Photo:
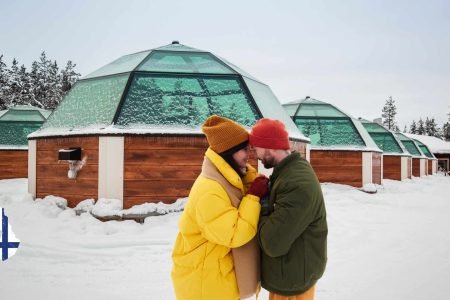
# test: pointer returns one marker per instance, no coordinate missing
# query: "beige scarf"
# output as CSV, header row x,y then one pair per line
x,y
247,257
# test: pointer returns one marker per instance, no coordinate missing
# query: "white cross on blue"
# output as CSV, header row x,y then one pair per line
x,y
4,243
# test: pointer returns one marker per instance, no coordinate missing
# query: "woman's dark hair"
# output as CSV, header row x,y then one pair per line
x,y
228,157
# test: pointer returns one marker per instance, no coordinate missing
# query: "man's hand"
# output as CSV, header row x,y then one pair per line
x,y
259,187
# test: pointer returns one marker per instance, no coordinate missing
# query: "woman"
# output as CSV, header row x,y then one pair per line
x,y
220,215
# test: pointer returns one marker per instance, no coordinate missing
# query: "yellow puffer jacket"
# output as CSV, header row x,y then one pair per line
x,y
209,227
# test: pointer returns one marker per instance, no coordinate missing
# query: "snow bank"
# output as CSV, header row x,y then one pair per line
x,y
390,245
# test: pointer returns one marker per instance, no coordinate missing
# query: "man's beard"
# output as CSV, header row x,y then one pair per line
x,y
268,162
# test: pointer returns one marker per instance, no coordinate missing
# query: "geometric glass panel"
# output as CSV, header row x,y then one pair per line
x,y
329,131
178,62
386,142
89,102
184,100
15,133
318,110
126,63
412,149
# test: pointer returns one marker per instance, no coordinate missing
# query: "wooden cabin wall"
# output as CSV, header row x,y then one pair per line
x,y
160,168
343,167
416,167
430,167
377,159
392,167
51,174
13,164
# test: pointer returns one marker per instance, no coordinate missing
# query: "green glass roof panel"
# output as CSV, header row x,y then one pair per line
x,y
178,47
15,133
386,142
318,110
184,62
180,101
90,103
375,128
23,116
411,148
330,132
424,149
126,63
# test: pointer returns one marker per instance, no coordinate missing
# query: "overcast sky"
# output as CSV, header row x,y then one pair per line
x,y
353,54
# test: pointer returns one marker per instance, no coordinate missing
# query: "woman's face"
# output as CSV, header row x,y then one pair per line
x,y
241,157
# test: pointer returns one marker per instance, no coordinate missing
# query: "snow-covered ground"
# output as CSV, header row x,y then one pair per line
x,y
391,245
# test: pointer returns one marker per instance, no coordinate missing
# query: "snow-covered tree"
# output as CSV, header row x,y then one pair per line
x,y
413,127
431,127
420,127
405,130
68,76
3,83
446,131
389,112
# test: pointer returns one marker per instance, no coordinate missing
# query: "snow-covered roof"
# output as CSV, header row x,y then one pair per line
x,y
328,127
435,144
170,88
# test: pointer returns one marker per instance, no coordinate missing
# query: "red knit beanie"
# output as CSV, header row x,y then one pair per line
x,y
269,134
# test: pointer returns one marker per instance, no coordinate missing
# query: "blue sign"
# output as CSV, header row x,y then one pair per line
x,y
5,244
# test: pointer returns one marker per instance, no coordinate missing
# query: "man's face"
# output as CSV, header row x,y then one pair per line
x,y
241,157
265,156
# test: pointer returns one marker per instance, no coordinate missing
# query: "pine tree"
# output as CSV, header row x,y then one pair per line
x,y
389,112
3,83
68,76
420,127
405,130
427,126
413,128
432,127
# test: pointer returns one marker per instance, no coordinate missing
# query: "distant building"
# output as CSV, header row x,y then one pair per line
x,y
341,149
15,124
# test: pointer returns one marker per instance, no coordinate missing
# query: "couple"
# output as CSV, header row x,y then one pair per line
x,y
234,232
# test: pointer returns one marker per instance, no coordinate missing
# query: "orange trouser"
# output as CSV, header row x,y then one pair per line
x,y
308,295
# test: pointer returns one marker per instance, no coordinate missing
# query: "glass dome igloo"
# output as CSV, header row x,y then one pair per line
x,y
385,139
19,121
328,126
167,89
410,145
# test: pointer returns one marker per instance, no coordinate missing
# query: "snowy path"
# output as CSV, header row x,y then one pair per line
x,y
392,245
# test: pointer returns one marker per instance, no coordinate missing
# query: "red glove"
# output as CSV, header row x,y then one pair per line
x,y
259,187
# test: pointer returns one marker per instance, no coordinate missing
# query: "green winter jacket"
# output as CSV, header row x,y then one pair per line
x,y
293,237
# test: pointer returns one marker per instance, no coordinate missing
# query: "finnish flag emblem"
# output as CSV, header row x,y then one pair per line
x,y
8,241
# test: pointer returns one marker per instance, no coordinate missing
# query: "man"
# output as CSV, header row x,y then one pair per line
x,y
215,255
292,230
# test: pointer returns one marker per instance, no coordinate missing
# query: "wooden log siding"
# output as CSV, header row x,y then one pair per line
x,y
13,164
164,168
392,167
51,174
343,167
416,167
377,159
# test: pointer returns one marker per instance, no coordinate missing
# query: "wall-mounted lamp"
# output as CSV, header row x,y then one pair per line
x,y
73,156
